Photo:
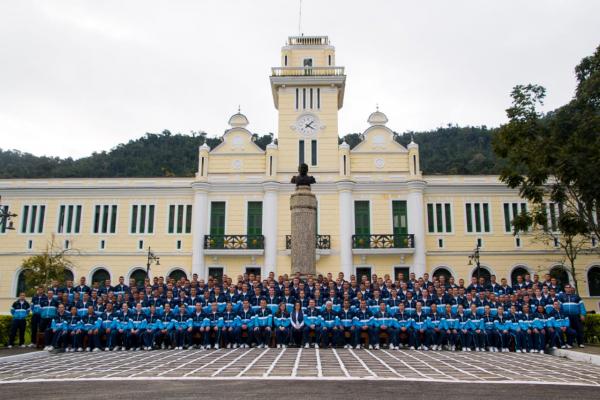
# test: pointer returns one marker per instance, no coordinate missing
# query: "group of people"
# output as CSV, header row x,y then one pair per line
x,y
438,314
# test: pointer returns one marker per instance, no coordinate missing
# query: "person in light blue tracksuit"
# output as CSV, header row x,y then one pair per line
x,y
138,322
462,323
541,323
312,324
329,326
91,326
492,339
123,326
526,324
404,334
477,329
57,332
197,327
346,316
245,325
74,328
419,324
181,322
282,326
436,329
108,327
362,323
153,328
19,311
213,326
36,317
503,327
572,305
562,334
229,322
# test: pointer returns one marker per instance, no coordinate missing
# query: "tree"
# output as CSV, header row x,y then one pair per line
x,y
555,157
51,264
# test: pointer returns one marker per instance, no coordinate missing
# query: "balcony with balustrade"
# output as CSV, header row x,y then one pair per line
x,y
383,243
234,245
322,244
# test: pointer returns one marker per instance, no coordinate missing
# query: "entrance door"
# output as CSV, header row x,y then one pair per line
x,y
402,272
399,223
253,270
216,273
363,271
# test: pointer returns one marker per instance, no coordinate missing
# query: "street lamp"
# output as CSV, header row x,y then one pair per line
x,y
152,259
475,257
5,217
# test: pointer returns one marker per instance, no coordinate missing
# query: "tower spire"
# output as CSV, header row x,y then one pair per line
x,y
300,20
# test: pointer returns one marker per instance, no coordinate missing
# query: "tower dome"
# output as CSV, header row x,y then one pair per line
x,y
377,118
238,120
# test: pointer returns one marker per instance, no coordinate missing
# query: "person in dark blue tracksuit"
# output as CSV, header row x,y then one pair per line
x,y
419,327
213,329
229,321
282,322
404,334
560,329
312,325
153,329
36,317
19,311
108,328
139,321
57,331
329,326
436,334
91,329
362,321
346,317
245,325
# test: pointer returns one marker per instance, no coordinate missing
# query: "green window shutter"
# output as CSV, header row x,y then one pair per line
x,y
486,217
399,218
97,219
24,219
142,219
171,219
78,219
180,218
150,219
448,217
469,216
362,222
439,220
61,219
134,213
430,227
217,218
506,217
113,219
69,219
254,220
188,218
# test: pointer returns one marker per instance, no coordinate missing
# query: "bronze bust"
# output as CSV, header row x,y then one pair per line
x,y
303,179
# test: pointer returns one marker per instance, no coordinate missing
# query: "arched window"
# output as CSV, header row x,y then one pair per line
x,y
68,275
99,276
177,274
483,273
560,273
593,277
518,271
22,285
139,275
442,272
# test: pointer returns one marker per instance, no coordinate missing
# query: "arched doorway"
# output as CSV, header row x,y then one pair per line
x,y
442,272
518,271
560,273
593,278
483,273
68,275
100,276
139,275
22,285
177,274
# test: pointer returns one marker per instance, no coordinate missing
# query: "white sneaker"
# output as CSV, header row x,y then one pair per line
x,y
316,346
392,347
50,348
517,351
31,344
370,347
306,346
569,346
376,347
217,347
425,348
412,347
580,346
357,347
96,349
9,346
284,346
23,346
81,349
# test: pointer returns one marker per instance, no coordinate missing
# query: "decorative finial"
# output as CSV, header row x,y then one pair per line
x,y
239,109
377,106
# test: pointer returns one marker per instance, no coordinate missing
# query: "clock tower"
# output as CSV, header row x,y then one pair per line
x,y
308,91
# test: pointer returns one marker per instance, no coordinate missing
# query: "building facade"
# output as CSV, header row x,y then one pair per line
x,y
377,213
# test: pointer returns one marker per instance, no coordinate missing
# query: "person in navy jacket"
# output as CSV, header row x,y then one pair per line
x,y
329,331
314,328
245,327
575,310
19,310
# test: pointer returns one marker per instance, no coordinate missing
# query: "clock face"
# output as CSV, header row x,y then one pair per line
x,y
307,125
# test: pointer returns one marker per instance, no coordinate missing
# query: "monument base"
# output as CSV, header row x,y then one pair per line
x,y
303,206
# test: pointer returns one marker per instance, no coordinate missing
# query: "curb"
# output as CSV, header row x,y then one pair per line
x,y
24,356
577,356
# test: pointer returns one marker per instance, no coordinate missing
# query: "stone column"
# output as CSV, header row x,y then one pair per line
x,y
345,226
303,206
199,225
269,225
416,225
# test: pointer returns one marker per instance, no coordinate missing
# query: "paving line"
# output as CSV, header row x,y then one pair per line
x,y
193,359
274,363
432,367
457,368
385,364
296,363
342,366
207,364
158,353
319,369
253,362
407,365
373,374
229,364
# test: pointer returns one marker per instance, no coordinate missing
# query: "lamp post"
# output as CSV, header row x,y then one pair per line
x,y
475,257
5,217
152,259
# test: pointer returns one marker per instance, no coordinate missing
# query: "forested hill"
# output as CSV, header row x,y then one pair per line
x,y
448,150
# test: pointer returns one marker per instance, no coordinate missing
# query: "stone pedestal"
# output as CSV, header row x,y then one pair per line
x,y
303,206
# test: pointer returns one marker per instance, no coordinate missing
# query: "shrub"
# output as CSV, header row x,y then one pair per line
x,y
5,321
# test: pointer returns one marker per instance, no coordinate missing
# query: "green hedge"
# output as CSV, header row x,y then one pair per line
x,y
592,328
5,321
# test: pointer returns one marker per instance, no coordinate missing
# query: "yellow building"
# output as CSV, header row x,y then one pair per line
x,y
377,212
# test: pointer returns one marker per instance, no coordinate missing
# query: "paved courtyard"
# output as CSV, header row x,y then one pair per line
x,y
299,364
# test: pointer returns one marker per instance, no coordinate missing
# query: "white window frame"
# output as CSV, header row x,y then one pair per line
x,y
139,211
67,205
27,223
482,221
175,215
453,221
109,219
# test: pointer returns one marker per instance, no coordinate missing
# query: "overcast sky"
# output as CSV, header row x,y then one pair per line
x,y
83,76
